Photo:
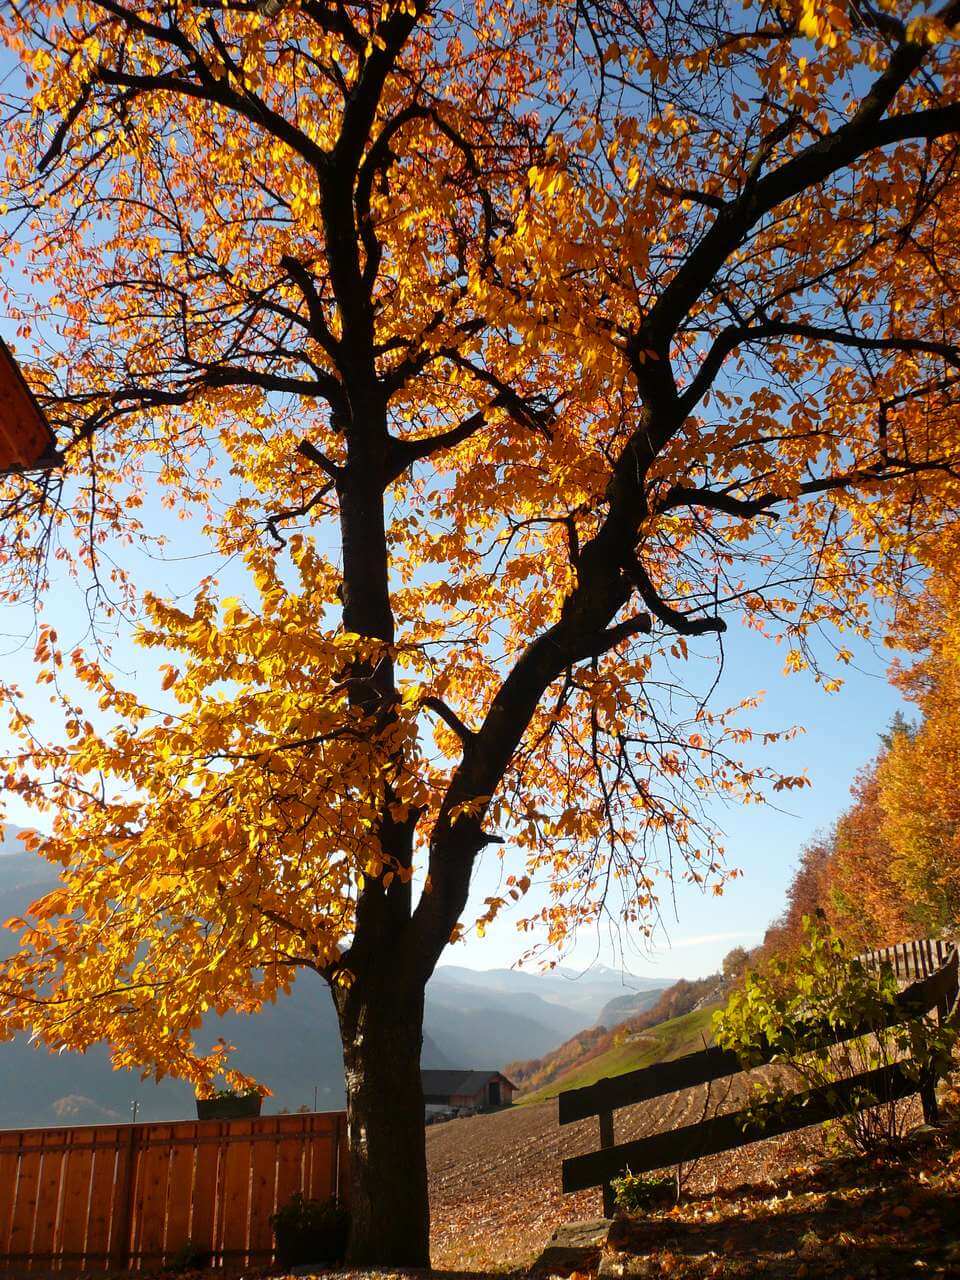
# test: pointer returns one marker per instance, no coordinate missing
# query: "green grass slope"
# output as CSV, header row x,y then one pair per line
x,y
666,1040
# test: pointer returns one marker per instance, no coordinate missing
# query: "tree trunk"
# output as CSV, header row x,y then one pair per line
x,y
382,1032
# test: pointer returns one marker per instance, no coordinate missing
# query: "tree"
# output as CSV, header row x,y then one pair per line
x,y
889,870
918,777
734,963
515,349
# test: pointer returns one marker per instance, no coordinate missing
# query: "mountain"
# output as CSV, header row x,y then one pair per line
x,y
455,1011
587,993
472,1019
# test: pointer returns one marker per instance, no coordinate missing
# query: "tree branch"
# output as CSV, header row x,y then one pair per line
x,y
450,718
684,623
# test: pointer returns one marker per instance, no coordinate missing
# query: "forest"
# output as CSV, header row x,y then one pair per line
x,y
889,869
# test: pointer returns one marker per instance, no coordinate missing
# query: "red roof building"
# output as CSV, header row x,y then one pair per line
x,y
26,440
467,1090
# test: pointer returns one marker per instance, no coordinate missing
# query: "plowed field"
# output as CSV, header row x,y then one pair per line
x,y
495,1179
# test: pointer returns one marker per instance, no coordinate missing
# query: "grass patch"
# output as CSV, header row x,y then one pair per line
x,y
666,1040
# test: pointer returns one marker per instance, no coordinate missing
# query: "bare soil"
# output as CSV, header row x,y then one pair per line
x,y
495,1179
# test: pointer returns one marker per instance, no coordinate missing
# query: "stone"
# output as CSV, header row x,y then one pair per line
x,y
626,1266
574,1246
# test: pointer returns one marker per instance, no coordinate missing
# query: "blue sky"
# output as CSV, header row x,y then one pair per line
x,y
764,842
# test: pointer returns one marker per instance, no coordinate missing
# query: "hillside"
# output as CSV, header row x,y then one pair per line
x,y
627,1006
670,1039
473,1019
576,1054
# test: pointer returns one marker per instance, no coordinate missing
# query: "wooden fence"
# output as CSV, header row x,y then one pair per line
x,y
916,959
721,1133
111,1197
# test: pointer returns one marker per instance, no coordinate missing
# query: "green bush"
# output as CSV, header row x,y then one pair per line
x,y
308,1231
793,1003
639,1192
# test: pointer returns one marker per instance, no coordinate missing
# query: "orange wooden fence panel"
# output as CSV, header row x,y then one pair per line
x,y
105,1197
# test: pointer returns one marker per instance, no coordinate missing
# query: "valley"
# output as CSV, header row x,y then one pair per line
x,y
474,1019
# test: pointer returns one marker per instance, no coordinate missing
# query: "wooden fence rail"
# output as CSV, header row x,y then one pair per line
x,y
939,990
916,959
111,1197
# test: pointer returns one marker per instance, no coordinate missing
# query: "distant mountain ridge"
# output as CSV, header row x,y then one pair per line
x,y
473,1019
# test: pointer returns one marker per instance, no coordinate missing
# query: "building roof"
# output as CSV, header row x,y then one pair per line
x,y
440,1085
26,441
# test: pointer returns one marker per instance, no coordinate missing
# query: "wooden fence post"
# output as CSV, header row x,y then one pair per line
x,y
928,1094
937,990
607,1140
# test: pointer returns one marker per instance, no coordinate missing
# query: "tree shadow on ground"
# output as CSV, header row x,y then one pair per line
x,y
848,1217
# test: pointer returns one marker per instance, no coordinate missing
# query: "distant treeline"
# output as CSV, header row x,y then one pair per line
x,y
889,869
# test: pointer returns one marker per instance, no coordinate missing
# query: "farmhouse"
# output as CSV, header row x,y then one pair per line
x,y
466,1090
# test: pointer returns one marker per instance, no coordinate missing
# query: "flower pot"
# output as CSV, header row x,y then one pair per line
x,y
240,1107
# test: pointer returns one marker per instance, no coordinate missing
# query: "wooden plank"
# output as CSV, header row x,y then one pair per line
x,y
203,1218
9,1166
103,1197
321,1157
649,1082
75,1210
236,1191
123,1217
714,1063
607,1141
262,1193
722,1133
343,1161
335,1160
183,1157
150,1213
290,1163
21,1230
43,1246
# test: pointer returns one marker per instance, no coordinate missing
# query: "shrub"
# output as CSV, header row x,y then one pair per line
x,y
638,1192
793,1001
310,1231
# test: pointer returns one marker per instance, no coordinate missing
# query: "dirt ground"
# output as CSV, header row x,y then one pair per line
x,y
884,1218
495,1179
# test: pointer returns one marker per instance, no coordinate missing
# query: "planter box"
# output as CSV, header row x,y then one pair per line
x,y
244,1108
317,1238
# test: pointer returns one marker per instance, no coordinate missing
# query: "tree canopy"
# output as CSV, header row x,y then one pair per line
x,y
518,349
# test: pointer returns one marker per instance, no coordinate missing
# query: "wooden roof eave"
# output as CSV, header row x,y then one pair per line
x,y
27,442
